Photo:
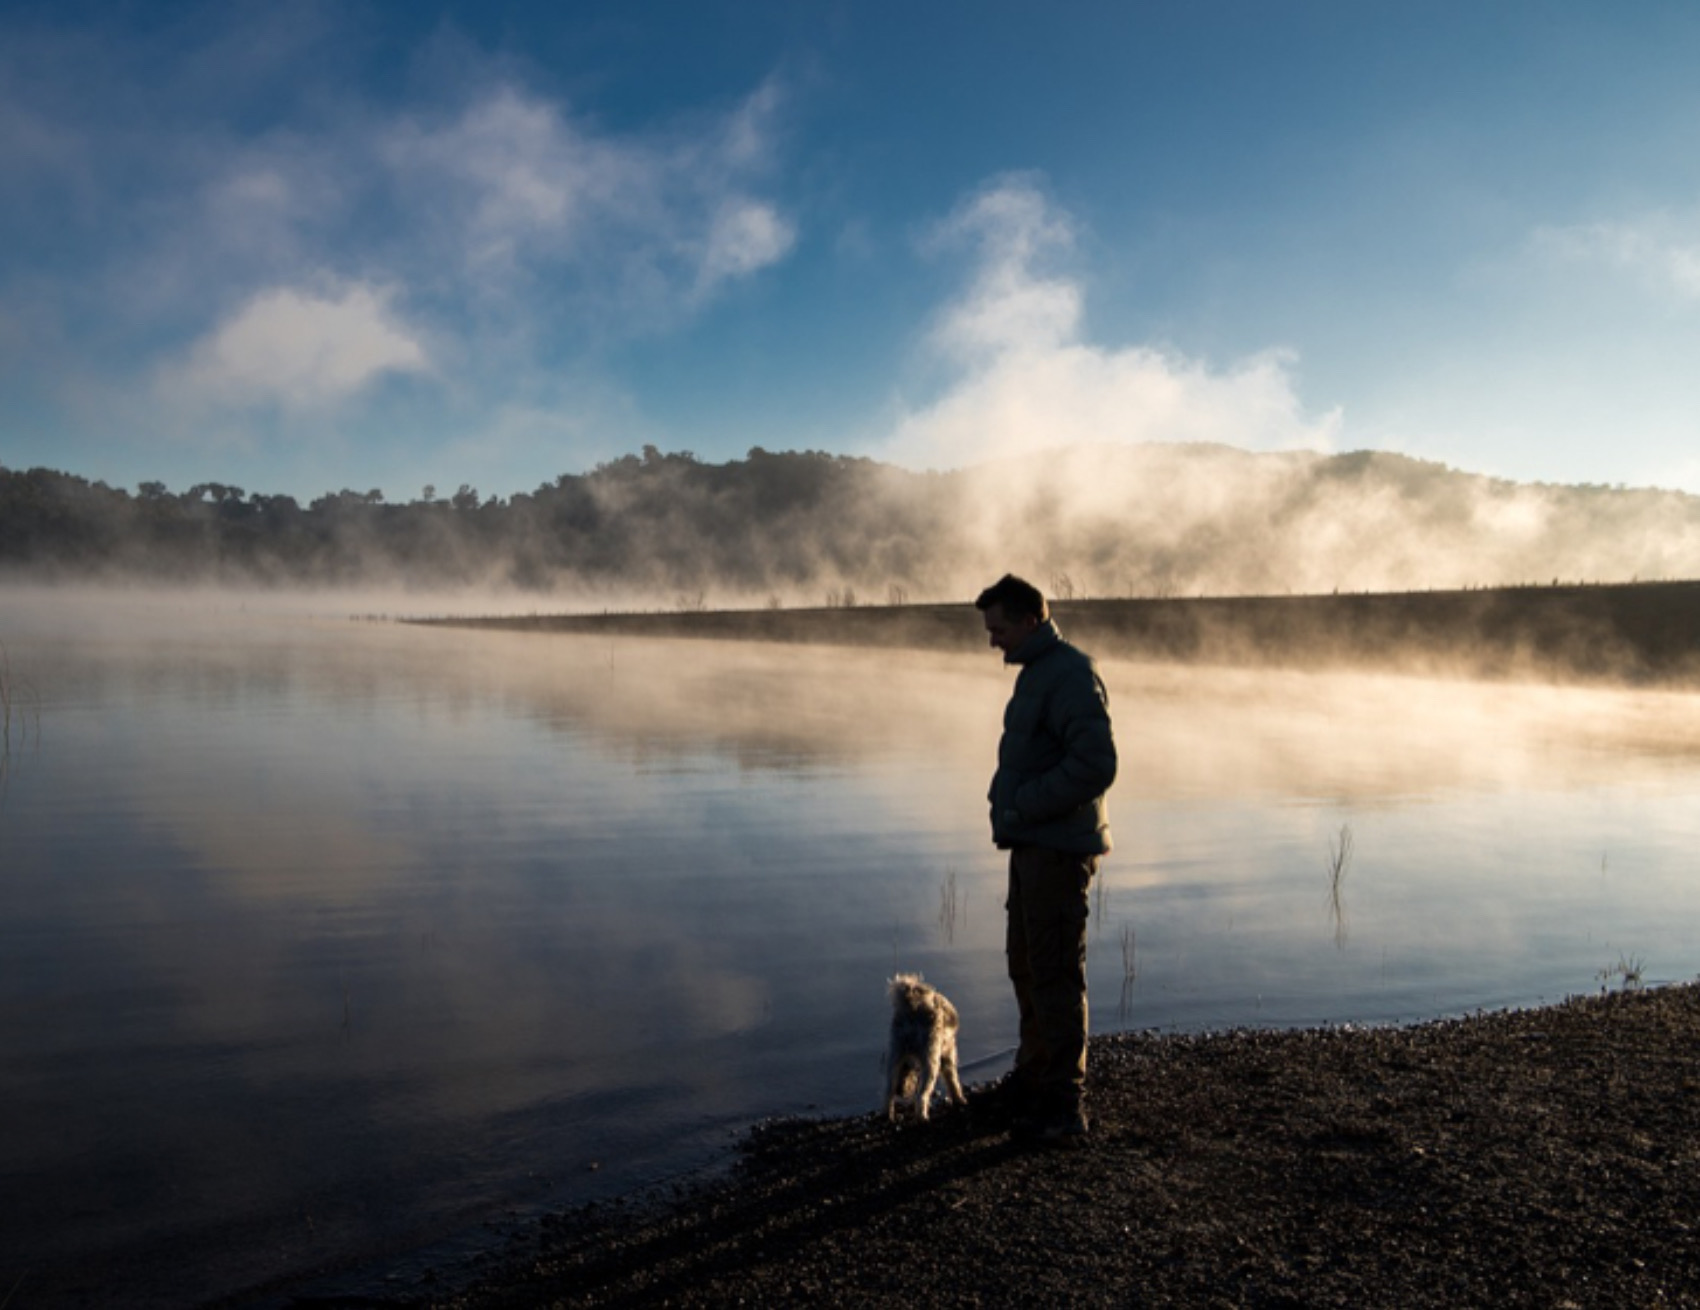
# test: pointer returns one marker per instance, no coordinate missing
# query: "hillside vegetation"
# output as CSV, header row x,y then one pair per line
x,y
812,528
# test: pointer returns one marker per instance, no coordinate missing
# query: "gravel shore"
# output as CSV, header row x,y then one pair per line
x,y
1545,1157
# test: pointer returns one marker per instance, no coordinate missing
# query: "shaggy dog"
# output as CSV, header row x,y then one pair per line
x,y
923,1046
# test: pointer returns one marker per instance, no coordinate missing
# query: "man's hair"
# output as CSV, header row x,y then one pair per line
x,y
1018,597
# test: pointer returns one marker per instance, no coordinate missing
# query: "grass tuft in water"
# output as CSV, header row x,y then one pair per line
x,y
1339,861
1630,968
20,713
953,906
1130,969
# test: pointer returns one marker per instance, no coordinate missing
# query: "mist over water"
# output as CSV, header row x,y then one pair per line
x,y
1171,519
321,938
1148,519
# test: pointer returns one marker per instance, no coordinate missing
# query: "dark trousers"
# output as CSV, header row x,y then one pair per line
x,y
1047,964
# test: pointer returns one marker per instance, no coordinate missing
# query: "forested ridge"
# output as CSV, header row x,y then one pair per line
x,y
1146,520
658,520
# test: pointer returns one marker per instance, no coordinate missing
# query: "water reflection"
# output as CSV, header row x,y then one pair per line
x,y
317,936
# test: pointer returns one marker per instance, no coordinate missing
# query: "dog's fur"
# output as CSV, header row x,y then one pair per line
x,y
923,1047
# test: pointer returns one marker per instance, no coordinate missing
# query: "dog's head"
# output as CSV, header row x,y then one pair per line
x,y
911,996
908,991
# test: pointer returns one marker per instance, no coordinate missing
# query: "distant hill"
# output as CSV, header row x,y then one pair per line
x,y
811,528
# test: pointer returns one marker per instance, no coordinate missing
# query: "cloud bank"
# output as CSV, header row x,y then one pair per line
x,y
1658,251
516,188
295,348
225,232
1024,378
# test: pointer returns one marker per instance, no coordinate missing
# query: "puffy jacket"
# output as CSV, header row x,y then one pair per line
x,y
1057,757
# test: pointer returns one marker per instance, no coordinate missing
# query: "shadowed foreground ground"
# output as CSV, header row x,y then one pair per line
x,y
1543,1157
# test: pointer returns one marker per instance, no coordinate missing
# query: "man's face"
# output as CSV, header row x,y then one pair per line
x,y
1007,633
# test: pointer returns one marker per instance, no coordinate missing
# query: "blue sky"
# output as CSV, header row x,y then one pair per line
x,y
304,247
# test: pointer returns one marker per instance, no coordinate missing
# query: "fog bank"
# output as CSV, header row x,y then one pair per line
x,y
785,529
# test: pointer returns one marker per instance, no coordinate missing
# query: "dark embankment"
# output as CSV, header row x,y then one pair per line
x,y
1640,632
1529,1158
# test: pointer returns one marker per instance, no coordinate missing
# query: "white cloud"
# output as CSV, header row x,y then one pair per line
x,y
519,178
747,140
1026,380
262,212
744,237
1660,250
296,349
518,187
1010,306
461,223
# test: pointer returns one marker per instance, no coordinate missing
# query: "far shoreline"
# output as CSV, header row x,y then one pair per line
x,y
1640,633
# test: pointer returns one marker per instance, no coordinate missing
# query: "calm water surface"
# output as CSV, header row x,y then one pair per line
x,y
322,939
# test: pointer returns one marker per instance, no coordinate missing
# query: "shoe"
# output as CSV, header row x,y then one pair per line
x,y
1057,1128
1005,1101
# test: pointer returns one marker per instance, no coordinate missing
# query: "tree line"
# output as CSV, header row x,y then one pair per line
x,y
1151,520
656,520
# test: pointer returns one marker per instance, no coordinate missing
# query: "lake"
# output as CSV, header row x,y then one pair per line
x,y
324,939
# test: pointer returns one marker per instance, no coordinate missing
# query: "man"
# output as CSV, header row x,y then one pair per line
x,y
1056,760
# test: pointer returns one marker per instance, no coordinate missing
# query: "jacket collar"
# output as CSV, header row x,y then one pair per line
x,y
1044,639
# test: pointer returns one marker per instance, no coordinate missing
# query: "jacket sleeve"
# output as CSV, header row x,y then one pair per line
x,y
1079,716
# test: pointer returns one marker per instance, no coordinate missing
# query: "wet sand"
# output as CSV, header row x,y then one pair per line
x,y
1546,1157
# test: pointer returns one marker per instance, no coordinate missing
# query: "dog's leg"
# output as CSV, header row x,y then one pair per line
x,y
924,1097
903,1068
952,1081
